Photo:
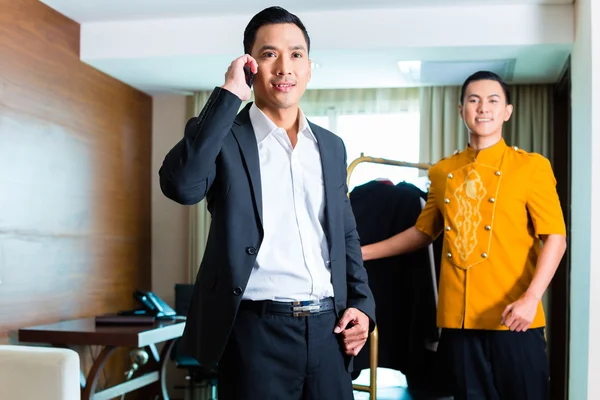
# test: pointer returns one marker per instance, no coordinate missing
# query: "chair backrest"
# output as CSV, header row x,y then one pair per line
x,y
183,297
28,372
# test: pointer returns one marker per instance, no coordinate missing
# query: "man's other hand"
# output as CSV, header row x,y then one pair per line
x,y
519,315
353,328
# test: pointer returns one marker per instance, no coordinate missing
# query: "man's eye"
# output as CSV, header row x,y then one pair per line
x,y
297,55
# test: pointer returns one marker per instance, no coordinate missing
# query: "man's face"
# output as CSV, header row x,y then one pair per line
x,y
284,68
484,108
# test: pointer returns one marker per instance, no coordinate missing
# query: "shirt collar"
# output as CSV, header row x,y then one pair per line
x,y
489,156
263,126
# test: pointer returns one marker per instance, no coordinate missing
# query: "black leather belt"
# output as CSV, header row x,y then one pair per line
x,y
293,309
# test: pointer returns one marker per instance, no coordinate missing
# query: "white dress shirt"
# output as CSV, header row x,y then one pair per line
x,y
293,261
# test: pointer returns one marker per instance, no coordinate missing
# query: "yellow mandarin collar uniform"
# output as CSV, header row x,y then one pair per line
x,y
492,206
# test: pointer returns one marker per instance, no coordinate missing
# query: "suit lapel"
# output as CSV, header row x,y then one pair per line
x,y
246,139
244,135
328,167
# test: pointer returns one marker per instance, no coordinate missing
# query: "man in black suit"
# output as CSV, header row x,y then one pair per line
x,y
281,301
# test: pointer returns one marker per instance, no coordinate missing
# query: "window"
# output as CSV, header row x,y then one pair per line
x,y
391,136
323,122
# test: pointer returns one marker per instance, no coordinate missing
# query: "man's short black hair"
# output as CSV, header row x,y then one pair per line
x,y
485,76
271,15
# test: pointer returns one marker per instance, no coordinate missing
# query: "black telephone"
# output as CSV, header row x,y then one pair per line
x,y
152,305
249,76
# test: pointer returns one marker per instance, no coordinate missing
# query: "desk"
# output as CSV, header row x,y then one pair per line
x,y
85,332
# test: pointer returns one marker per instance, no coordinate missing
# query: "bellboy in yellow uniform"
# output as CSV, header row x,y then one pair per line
x,y
495,204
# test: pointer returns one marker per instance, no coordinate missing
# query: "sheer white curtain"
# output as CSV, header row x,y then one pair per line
x,y
199,223
377,122
443,132
359,101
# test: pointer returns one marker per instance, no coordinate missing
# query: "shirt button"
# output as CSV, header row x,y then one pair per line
x,y
483,255
446,200
449,255
498,173
448,228
516,148
450,176
251,250
488,228
237,291
492,200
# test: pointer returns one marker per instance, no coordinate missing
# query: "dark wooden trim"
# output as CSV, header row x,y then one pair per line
x,y
560,288
85,332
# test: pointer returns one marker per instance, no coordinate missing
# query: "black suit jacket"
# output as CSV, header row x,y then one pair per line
x,y
218,159
402,285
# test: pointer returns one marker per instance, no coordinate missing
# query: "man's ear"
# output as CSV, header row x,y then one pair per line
x,y
460,111
509,111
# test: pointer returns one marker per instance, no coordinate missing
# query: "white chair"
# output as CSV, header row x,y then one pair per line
x,y
36,373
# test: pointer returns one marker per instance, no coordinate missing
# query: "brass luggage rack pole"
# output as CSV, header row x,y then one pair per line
x,y
371,388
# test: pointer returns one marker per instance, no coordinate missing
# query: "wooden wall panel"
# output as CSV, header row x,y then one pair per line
x,y
75,179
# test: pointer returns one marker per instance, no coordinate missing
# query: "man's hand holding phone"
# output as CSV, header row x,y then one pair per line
x,y
237,80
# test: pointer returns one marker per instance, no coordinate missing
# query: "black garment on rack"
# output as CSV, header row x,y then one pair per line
x,y
429,374
402,285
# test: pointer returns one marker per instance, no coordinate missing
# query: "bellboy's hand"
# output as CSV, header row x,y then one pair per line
x,y
235,79
519,315
353,327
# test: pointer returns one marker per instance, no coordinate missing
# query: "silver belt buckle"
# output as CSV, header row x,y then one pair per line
x,y
305,308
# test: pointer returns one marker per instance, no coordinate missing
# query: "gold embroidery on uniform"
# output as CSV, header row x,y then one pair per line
x,y
468,195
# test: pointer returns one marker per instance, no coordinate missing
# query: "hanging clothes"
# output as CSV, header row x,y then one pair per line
x,y
404,286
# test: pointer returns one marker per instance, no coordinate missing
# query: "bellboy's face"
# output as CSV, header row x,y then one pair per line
x,y
484,108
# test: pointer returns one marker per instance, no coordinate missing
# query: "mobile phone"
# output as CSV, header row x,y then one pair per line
x,y
249,75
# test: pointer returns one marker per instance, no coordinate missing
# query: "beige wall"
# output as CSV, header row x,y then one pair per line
x,y
169,219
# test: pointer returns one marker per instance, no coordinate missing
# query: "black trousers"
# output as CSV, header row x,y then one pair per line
x,y
499,365
281,357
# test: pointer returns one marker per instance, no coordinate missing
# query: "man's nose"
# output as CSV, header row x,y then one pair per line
x,y
283,66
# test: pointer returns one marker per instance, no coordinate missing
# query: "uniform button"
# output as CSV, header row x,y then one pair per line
x,y
492,200
237,291
498,173
456,152
488,228
251,250
448,228
484,255
446,201
449,255
516,148
450,176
